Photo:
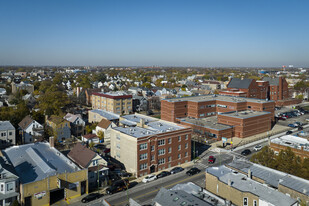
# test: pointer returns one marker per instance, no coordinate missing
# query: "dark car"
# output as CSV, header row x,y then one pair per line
x,y
163,174
300,128
90,197
122,173
289,132
211,159
176,170
99,146
246,152
292,125
118,186
193,171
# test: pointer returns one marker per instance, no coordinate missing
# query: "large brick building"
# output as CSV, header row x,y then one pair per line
x,y
235,116
150,145
116,102
267,88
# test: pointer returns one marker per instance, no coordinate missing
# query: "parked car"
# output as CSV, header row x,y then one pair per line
x,y
90,197
298,124
211,159
163,174
149,178
292,125
176,170
122,173
282,118
246,152
289,132
299,128
193,171
118,186
258,147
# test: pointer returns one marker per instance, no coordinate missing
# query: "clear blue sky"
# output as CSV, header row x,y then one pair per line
x,y
155,32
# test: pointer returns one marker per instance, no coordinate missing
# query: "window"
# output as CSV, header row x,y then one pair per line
x,y
9,187
1,187
169,140
118,137
254,203
186,154
202,107
179,138
94,162
161,151
179,147
169,150
10,133
161,161
161,142
187,136
152,158
245,201
118,146
143,156
179,156
202,115
143,166
152,148
143,146
220,105
169,159
118,154
186,145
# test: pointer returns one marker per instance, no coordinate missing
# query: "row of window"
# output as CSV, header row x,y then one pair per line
x,y
162,151
3,134
207,106
160,161
160,142
208,114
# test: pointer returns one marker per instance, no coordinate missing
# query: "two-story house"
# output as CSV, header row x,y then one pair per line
x,y
30,130
8,183
86,158
7,134
77,124
61,128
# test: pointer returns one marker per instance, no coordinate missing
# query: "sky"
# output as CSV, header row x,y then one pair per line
x,y
206,33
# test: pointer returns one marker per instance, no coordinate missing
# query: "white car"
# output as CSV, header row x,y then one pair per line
x,y
149,178
257,147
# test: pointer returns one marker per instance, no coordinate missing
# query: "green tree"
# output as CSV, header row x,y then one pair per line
x,y
100,134
289,162
265,157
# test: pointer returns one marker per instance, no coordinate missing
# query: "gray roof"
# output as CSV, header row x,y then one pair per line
x,y
6,125
136,131
209,122
137,118
178,197
36,161
272,177
239,83
244,114
272,81
241,182
127,122
107,115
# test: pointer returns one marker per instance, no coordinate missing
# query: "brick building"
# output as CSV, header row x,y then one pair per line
x,y
150,146
299,145
116,102
278,88
235,116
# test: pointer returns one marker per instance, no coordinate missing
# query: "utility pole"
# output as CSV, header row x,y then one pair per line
x,y
98,177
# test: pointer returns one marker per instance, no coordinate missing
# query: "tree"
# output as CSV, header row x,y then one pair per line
x,y
90,127
91,144
15,203
300,96
265,157
289,162
100,134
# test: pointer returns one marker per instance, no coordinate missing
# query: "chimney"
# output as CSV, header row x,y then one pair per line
x,y
229,182
51,142
142,122
249,174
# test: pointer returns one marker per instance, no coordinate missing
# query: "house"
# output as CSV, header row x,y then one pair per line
x,y
105,126
88,138
2,91
9,191
31,130
97,115
60,127
150,144
242,189
22,86
46,176
77,124
7,134
278,88
86,158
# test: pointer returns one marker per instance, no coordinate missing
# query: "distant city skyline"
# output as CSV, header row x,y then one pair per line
x,y
197,33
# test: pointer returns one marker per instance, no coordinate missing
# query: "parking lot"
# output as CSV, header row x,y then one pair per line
x,y
301,118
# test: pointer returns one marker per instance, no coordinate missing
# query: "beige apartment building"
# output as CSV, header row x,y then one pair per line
x,y
116,102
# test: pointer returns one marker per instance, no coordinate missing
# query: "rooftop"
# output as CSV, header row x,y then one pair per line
x,y
241,182
107,115
209,122
81,155
137,118
71,117
136,131
37,161
239,83
244,114
6,125
292,141
113,95
205,98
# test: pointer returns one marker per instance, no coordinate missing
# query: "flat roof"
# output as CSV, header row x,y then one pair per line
x,y
113,95
204,98
37,161
107,115
292,141
244,114
272,177
242,183
137,118
209,122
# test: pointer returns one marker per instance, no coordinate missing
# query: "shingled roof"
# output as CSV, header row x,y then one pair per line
x,y
104,123
272,81
239,83
25,122
81,155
